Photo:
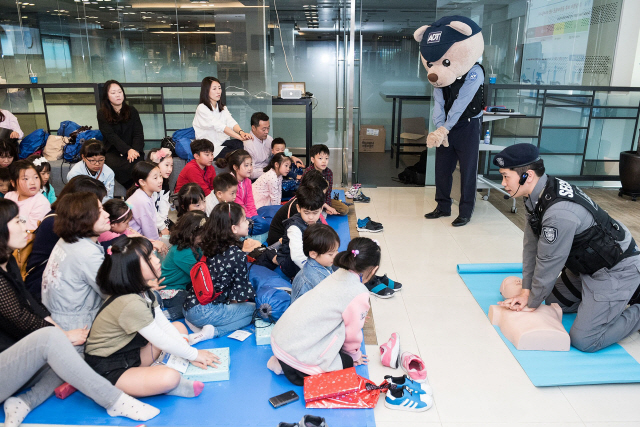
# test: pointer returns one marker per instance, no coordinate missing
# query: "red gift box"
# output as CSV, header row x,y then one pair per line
x,y
341,389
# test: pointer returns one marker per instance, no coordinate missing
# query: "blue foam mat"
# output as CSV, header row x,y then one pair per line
x,y
548,368
241,401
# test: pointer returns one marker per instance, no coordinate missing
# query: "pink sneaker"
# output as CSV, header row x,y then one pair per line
x,y
390,352
414,367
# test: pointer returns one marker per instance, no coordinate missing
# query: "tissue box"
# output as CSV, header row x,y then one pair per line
x,y
263,332
221,373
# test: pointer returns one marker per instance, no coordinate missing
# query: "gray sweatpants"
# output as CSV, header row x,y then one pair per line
x,y
600,300
50,346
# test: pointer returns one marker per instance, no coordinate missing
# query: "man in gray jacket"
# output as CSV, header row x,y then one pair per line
x,y
574,253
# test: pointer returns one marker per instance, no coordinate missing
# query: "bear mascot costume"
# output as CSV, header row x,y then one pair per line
x,y
450,49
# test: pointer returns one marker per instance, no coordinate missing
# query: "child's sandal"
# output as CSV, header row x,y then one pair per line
x,y
379,289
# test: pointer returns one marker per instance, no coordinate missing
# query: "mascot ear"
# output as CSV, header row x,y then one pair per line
x,y
420,33
460,27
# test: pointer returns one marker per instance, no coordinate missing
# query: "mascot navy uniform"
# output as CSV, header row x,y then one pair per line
x,y
450,48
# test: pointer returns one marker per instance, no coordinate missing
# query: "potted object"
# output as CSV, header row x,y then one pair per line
x,y
630,173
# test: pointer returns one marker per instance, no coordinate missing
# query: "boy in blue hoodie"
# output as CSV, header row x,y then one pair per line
x,y
320,244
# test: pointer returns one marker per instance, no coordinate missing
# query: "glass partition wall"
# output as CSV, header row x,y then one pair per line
x,y
351,54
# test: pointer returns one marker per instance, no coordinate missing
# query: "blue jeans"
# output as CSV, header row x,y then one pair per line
x,y
173,306
225,317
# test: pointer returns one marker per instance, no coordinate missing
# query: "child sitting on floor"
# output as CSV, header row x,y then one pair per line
x,y
5,181
26,185
267,190
241,165
320,244
182,256
290,256
200,169
320,162
93,155
233,308
322,331
119,216
148,180
162,157
44,169
190,198
130,330
225,187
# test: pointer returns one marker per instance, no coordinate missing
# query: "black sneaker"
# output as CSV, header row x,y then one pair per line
x,y
312,421
369,226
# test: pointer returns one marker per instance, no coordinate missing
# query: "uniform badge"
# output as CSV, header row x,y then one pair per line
x,y
473,76
500,161
550,234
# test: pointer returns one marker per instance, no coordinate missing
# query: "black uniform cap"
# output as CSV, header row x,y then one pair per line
x,y
439,37
516,156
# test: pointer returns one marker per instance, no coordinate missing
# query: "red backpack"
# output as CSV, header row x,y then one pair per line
x,y
202,283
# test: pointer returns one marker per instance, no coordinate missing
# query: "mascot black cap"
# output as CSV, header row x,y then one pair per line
x,y
440,37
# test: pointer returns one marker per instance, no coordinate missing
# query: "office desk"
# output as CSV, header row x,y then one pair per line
x,y
309,121
395,134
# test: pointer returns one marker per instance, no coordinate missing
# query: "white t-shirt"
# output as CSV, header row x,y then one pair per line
x,y
211,124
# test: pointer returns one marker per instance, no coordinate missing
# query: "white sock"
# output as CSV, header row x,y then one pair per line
x,y
129,407
187,388
207,332
274,365
191,326
15,411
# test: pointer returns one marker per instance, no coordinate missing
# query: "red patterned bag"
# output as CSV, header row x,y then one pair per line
x,y
341,389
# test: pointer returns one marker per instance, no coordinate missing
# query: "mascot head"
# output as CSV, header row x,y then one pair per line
x,y
449,47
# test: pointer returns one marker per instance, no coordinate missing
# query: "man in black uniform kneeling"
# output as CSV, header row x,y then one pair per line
x,y
574,253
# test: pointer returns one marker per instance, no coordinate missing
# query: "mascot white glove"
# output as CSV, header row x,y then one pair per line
x,y
438,137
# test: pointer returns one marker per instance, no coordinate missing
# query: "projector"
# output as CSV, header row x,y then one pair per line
x,y
291,94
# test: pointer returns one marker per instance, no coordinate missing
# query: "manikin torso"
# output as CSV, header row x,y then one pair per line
x,y
540,329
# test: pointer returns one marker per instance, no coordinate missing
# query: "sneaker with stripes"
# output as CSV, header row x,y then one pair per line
x,y
403,399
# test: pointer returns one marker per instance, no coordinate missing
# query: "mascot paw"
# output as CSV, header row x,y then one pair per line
x,y
438,137
445,141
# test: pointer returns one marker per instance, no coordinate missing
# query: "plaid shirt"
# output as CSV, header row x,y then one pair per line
x,y
328,175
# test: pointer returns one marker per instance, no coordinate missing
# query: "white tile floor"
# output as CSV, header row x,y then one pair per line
x,y
476,380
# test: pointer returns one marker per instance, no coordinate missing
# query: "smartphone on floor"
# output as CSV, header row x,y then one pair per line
x,y
283,399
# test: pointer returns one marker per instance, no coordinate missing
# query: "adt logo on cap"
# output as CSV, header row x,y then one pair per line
x,y
434,37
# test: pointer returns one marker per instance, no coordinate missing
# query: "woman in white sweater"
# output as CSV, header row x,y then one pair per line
x,y
214,122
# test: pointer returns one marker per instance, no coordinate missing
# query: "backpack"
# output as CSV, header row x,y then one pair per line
x,y
67,127
71,152
415,174
202,283
182,139
168,142
33,143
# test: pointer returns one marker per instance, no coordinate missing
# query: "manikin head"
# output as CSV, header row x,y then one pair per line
x,y
510,287
448,48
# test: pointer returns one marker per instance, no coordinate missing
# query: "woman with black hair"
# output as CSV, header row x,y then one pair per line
x,y
45,238
130,330
30,340
214,122
122,131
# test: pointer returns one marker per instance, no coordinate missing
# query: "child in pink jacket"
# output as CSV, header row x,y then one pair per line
x,y
240,165
322,331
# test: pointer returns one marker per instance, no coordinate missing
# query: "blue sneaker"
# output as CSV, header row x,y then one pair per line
x,y
403,399
368,225
405,381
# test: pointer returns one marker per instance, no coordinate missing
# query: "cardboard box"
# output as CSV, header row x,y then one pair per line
x,y
372,139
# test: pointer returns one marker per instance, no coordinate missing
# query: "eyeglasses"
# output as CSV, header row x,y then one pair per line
x,y
95,161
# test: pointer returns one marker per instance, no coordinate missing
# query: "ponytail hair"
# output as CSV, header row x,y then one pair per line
x,y
234,158
140,171
361,255
278,159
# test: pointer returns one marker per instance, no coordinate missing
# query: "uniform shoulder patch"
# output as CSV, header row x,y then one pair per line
x,y
550,234
473,75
